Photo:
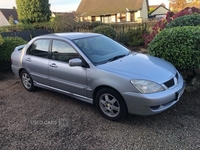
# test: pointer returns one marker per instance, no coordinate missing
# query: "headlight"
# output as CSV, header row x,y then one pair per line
x,y
145,86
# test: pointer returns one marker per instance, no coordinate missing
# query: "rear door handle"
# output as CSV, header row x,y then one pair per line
x,y
53,65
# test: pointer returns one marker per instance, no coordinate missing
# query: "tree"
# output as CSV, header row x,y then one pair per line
x,y
11,20
194,3
32,11
178,5
65,22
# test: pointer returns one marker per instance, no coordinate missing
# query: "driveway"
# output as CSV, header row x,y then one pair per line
x,y
48,120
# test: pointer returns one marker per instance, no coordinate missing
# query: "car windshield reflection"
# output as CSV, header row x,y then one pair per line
x,y
100,49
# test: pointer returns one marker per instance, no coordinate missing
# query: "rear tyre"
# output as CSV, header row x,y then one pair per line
x,y
110,104
27,81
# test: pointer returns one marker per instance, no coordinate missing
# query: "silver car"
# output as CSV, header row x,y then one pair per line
x,y
96,69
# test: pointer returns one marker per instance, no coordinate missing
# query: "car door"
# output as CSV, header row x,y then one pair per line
x,y
62,76
36,61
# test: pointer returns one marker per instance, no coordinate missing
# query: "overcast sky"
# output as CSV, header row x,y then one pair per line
x,y
69,5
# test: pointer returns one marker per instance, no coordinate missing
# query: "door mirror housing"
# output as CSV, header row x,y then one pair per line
x,y
75,62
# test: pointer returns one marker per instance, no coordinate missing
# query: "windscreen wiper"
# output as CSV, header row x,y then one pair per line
x,y
117,57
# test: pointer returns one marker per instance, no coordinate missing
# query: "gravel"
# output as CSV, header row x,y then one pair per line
x,y
47,120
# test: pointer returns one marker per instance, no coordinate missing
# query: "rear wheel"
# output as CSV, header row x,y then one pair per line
x,y
27,80
110,104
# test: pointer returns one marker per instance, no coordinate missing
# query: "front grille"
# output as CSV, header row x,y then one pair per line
x,y
172,81
169,83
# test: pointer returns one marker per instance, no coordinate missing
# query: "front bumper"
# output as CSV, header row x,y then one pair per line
x,y
149,104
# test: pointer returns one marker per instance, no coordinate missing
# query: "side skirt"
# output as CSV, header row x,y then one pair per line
x,y
79,97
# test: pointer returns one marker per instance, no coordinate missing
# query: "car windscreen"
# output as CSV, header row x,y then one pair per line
x,y
101,49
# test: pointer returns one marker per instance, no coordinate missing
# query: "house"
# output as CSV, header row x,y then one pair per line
x,y
5,15
158,11
108,11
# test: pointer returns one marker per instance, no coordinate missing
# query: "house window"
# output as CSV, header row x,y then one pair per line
x,y
106,19
85,19
132,16
123,17
93,19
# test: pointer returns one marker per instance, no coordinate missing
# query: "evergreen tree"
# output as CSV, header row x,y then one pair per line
x,y
31,11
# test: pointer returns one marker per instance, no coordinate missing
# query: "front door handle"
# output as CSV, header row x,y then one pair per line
x,y
53,65
28,59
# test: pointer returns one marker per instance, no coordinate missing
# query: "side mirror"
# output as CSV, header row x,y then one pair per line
x,y
75,62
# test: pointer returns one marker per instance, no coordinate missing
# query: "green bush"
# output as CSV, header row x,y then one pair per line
x,y
7,48
25,27
95,24
178,45
105,30
188,20
6,28
161,25
1,40
134,37
14,28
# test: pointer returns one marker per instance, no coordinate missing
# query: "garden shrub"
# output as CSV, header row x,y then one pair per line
x,y
178,45
134,37
95,24
7,48
105,30
16,28
1,40
160,25
7,28
25,27
188,20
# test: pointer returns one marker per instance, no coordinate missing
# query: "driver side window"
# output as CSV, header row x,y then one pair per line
x,y
62,51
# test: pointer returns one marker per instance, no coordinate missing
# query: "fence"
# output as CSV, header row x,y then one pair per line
x,y
122,28
27,35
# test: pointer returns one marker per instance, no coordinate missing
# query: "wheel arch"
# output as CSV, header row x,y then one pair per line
x,y
102,87
20,71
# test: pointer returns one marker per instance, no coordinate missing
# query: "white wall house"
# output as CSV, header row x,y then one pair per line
x,y
159,12
108,11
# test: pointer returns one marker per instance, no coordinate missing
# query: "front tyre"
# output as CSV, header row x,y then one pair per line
x,y
110,104
27,81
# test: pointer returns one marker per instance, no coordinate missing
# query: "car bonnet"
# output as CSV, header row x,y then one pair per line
x,y
141,66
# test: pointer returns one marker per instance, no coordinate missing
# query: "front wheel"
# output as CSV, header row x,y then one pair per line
x,y
27,80
110,104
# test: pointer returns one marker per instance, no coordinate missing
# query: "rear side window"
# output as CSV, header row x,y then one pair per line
x,y
39,48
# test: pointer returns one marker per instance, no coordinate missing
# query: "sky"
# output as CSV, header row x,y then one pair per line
x,y
69,5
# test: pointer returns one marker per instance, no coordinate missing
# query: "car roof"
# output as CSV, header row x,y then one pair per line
x,y
71,35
